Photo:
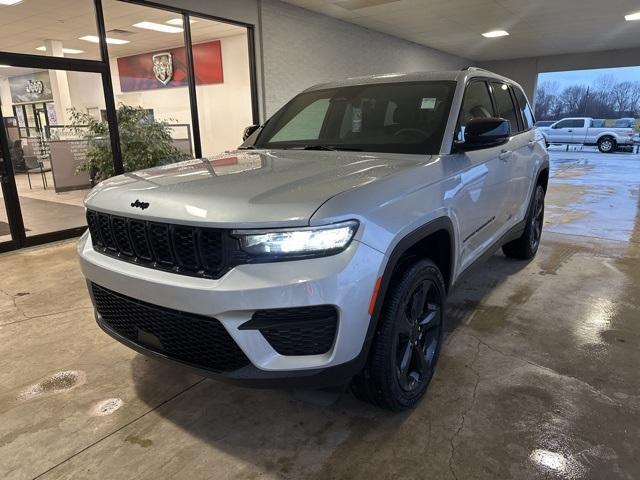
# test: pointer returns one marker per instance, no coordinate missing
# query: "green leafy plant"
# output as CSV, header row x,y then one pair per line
x,y
144,141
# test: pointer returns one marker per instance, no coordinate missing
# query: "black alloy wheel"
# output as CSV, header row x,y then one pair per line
x,y
418,335
537,220
408,338
526,246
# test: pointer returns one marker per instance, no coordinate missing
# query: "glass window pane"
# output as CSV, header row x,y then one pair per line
x,y
223,83
476,103
150,85
527,114
307,124
504,104
63,148
52,27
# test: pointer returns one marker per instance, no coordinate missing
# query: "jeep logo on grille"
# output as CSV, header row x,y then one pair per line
x,y
140,205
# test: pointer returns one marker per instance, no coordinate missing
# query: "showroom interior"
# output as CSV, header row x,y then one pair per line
x,y
538,376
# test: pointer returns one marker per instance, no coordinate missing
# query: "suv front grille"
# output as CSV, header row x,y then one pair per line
x,y
194,339
195,251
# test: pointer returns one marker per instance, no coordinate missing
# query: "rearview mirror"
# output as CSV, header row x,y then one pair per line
x,y
485,133
248,131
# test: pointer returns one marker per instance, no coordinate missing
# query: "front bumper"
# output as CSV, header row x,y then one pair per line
x,y
345,281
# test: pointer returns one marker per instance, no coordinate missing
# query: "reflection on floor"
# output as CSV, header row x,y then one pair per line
x,y
538,376
44,211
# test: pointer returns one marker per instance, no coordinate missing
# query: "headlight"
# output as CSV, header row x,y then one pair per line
x,y
298,242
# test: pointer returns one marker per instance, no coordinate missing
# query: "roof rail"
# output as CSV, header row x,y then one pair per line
x,y
470,67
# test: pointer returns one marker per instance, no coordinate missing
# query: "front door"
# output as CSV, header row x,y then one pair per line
x,y
482,191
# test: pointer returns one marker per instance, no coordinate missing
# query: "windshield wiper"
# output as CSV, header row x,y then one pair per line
x,y
332,148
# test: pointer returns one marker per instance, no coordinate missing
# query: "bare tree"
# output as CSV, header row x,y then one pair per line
x,y
605,98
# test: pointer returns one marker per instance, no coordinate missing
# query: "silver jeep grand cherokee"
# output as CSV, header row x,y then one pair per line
x,y
322,250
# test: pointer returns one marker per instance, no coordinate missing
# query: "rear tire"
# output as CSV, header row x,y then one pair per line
x,y
607,145
526,246
407,342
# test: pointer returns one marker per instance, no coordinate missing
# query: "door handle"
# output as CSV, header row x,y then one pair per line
x,y
505,155
570,131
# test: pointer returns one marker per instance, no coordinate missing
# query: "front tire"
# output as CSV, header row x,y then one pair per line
x,y
407,344
526,246
607,145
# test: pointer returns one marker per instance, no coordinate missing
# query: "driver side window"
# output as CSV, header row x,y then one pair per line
x,y
475,104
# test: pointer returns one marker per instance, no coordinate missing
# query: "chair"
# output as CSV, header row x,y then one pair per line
x,y
36,166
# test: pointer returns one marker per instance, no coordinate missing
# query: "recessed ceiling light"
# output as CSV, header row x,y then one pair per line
x,y
113,41
158,27
632,16
178,21
495,33
10,2
71,51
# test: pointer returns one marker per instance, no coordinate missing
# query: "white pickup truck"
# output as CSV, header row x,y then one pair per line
x,y
581,130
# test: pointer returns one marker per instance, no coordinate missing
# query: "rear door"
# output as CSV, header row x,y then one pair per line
x,y
515,164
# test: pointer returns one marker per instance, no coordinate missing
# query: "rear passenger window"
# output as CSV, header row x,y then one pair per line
x,y
504,105
525,109
476,104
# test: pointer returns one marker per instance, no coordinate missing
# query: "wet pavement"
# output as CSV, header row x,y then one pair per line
x,y
539,377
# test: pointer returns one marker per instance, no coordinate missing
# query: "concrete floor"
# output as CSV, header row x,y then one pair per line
x,y
539,377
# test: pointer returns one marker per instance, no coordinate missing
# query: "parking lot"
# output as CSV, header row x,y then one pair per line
x,y
538,378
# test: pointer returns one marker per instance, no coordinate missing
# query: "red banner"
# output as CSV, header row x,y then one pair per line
x,y
168,68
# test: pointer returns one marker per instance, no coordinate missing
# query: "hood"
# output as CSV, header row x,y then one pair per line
x,y
264,188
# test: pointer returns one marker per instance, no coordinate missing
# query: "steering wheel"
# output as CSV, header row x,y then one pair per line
x,y
414,131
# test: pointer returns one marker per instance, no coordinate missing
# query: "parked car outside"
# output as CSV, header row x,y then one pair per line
x,y
321,252
580,130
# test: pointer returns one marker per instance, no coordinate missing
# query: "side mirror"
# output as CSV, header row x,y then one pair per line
x,y
249,130
485,133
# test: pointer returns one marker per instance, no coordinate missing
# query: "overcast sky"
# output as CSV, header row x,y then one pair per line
x,y
586,77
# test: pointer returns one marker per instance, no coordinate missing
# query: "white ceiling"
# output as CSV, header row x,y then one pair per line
x,y
537,28
25,26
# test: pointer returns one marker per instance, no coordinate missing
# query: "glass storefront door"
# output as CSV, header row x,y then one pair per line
x,y
5,227
52,155
114,65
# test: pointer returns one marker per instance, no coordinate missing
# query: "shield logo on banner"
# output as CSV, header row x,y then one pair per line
x,y
163,67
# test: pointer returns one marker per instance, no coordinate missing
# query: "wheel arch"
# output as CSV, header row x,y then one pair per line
x,y
438,233
610,135
543,177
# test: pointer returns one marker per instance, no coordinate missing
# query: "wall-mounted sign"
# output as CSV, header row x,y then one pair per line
x,y
31,88
168,69
163,67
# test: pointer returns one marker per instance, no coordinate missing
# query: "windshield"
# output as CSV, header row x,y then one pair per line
x,y
392,118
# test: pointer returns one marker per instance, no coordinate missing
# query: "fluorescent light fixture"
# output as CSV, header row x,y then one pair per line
x,y
632,17
495,33
5,66
158,27
10,2
113,41
71,51
178,21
